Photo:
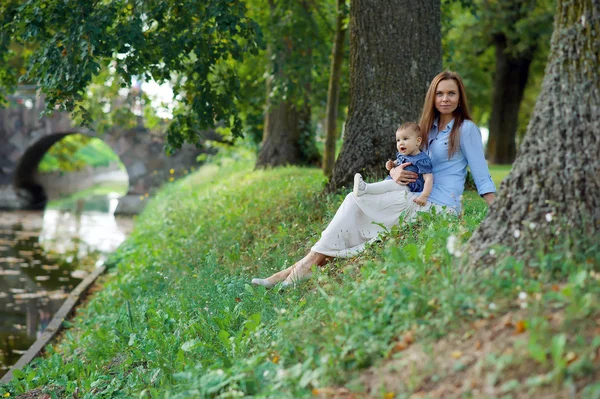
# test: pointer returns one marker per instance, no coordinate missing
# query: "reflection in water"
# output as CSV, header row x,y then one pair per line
x,y
43,256
86,228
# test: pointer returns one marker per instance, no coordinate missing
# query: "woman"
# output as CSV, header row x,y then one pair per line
x,y
454,142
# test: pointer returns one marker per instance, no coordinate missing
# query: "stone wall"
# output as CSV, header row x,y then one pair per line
x,y
25,138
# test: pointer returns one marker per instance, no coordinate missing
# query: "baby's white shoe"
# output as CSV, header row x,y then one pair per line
x,y
360,187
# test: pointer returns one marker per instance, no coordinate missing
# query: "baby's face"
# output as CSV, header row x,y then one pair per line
x,y
407,142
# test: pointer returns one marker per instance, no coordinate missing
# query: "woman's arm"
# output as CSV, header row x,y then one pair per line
x,y
472,148
422,199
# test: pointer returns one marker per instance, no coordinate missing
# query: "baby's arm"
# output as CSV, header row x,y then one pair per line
x,y
422,199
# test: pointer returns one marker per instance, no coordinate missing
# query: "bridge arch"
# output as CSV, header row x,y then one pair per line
x,y
27,182
25,138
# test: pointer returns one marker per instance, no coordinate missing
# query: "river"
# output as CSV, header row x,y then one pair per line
x,y
43,256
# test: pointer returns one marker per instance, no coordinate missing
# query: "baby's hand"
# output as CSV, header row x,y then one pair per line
x,y
389,165
421,200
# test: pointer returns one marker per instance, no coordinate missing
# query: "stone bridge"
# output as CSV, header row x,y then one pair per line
x,y
25,138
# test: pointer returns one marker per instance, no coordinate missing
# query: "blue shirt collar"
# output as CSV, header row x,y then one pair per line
x,y
448,126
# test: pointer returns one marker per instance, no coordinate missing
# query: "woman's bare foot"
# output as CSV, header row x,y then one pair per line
x,y
303,269
264,282
272,281
300,270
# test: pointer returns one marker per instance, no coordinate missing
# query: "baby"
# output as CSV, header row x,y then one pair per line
x,y
408,143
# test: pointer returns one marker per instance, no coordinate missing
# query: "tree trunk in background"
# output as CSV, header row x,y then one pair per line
x,y
281,137
553,189
333,93
510,81
395,51
287,137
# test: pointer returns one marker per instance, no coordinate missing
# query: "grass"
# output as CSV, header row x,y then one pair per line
x,y
177,318
499,172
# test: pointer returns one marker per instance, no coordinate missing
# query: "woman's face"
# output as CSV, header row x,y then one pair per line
x,y
446,96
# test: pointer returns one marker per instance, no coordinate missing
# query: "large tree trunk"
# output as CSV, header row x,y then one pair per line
x,y
333,93
554,186
512,73
395,51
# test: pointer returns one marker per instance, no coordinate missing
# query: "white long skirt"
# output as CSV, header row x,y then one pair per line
x,y
359,221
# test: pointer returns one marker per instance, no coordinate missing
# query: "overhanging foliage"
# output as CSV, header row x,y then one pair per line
x,y
193,43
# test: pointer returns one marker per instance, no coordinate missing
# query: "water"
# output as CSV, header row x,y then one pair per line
x,y
43,256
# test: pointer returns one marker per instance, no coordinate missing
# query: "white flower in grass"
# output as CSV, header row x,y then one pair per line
x,y
532,225
492,306
523,299
451,245
517,233
522,296
548,217
492,252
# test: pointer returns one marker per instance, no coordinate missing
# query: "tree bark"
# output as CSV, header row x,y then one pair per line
x,y
553,189
281,137
512,73
395,51
287,136
333,92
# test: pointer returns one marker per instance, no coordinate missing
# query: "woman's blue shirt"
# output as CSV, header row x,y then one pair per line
x,y
449,174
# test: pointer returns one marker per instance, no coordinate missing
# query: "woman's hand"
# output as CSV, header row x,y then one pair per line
x,y
401,176
489,198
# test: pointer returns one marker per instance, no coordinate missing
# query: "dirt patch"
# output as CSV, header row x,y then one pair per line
x,y
483,361
488,358
42,393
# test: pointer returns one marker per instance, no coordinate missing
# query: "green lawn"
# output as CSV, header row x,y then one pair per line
x,y
499,172
177,318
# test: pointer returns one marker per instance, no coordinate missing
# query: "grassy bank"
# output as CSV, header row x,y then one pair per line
x,y
177,318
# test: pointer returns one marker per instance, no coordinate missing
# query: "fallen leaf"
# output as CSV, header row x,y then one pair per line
x,y
400,346
408,338
520,327
571,357
478,345
478,324
456,354
389,395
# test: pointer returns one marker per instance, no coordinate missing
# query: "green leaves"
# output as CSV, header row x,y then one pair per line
x,y
191,41
77,151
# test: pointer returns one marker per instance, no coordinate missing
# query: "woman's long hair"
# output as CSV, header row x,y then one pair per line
x,y
430,113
